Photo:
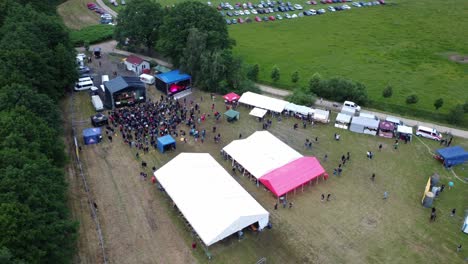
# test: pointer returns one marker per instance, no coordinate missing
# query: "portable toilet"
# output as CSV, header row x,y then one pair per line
x,y
92,135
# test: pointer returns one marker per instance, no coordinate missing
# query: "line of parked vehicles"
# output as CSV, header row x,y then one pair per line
x,y
269,7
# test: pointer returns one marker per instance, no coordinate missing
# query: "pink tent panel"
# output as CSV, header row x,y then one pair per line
x,y
292,175
231,97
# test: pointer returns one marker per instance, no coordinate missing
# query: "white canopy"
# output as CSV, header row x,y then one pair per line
x,y
405,129
301,109
214,204
258,112
321,116
261,152
343,118
261,101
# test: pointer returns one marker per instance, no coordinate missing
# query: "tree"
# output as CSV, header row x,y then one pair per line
x,y
252,73
438,103
412,99
275,73
140,21
314,83
184,16
295,77
302,96
465,107
456,115
190,61
387,92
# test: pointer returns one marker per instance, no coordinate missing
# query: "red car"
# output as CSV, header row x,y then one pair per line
x,y
240,20
313,2
91,6
272,18
258,19
329,1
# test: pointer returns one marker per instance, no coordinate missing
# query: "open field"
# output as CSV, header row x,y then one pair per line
x,y
75,15
357,226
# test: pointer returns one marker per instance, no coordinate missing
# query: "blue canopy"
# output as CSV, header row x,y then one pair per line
x,y
164,141
453,155
173,77
92,135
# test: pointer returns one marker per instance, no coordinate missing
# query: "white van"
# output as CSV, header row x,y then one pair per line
x,y
352,105
146,78
81,86
97,103
427,132
104,78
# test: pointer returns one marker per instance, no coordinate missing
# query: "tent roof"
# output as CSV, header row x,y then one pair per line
x,y
166,140
341,117
322,115
161,69
88,132
214,204
405,129
301,109
292,175
231,97
258,112
387,125
364,121
265,102
120,83
231,113
261,153
452,152
173,76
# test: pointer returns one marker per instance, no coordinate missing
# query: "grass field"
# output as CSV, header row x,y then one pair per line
x,y
357,226
75,15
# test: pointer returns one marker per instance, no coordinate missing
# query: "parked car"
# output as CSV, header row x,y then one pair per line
x,y
91,6
288,16
228,21
258,19
346,7
253,11
248,20
382,2
229,13
236,13
294,16
279,17
356,4
272,18
321,11
271,10
298,6
99,11
300,14
247,12
313,11
331,9
234,21
241,13
265,18
83,69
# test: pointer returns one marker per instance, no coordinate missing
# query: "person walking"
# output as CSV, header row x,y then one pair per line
x,y
328,197
454,210
290,205
459,247
276,206
373,177
348,156
380,147
385,195
325,158
322,197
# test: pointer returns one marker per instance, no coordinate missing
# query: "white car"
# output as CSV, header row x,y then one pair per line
x,y
241,12
247,12
346,7
331,8
298,6
313,12
356,4
294,16
254,11
271,10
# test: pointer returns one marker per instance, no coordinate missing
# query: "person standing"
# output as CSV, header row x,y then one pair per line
x,y
323,197
373,177
290,205
328,197
276,206
380,147
454,210
385,195
325,158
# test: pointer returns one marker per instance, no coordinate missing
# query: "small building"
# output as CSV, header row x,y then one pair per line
x,y
92,135
123,91
136,64
166,143
386,129
342,121
364,125
173,82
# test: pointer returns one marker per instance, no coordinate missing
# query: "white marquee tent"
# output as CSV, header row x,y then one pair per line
x,y
214,204
258,112
261,101
300,109
321,116
261,153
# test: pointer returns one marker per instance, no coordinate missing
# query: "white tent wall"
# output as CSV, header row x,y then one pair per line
x,y
364,125
214,204
261,101
300,109
321,116
342,121
260,153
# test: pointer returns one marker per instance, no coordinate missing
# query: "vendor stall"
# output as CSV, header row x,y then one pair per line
x,y
386,129
258,112
166,143
405,132
231,98
342,121
232,115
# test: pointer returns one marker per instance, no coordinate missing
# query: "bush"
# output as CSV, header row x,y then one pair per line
x,y
438,103
465,107
252,73
412,99
300,97
275,74
295,77
456,115
339,89
387,92
92,34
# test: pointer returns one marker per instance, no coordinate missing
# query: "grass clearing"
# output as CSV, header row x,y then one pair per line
x,y
92,34
76,15
357,226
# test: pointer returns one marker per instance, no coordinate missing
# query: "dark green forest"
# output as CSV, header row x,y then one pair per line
x,y
38,66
